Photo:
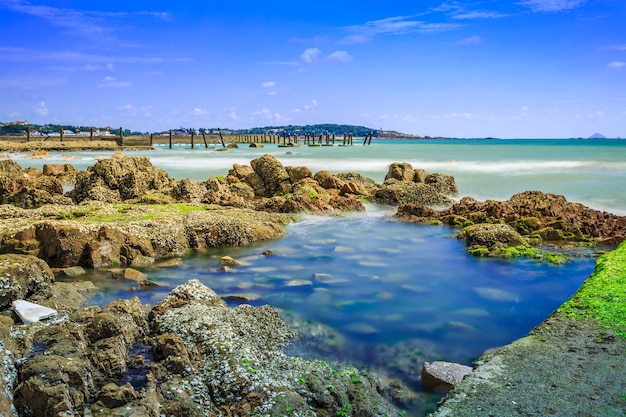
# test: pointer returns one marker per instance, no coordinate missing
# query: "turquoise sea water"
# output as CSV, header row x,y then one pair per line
x,y
388,295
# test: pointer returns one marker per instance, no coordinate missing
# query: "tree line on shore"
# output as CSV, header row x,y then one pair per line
x,y
20,129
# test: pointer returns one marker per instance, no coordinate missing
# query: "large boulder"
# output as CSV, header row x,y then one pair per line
x,y
273,175
401,171
119,178
408,192
490,239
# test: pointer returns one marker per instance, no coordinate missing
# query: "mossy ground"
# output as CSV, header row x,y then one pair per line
x,y
603,295
128,212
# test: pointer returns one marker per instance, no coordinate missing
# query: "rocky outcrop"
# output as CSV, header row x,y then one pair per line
x,y
29,188
405,185
539,216
491,239
119,178
22,277
190,356
101,235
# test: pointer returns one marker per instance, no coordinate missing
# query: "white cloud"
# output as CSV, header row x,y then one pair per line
x,y
269,84
199,112
310,55
111,82
311,105
266,114
130,109
472,40
340,56
272,93
41,108
617,64
621,47
552,5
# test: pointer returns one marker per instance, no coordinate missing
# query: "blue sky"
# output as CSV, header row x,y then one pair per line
x,y
525,68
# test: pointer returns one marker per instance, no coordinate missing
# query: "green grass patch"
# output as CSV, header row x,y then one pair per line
x,y
603,294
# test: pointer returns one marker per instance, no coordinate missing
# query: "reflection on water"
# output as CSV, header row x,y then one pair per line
x,y
377,293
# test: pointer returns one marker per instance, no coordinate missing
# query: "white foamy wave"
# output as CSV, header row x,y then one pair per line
x,y
517,167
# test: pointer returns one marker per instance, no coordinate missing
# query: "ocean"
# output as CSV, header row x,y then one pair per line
x,y
384,295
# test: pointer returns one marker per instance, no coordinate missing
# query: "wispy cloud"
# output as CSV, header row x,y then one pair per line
x,y
472,40
401,25
341,57
617,64
91,24
552,5
621,47
479,15
112,82
269,84
17,54
355,39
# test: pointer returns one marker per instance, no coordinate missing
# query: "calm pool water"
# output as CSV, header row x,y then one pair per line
x,y
377,293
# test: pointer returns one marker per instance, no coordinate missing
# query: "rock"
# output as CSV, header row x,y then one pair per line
x,y
166,233
548,217
490,239
171,349
229,261
297,174
353,188
401,171
134,275
22,276
405,192
113,396
241,172
31,312
357,178
273,175
441,376
188,190
442,183
74,271
328,180
192,291
169,263
119,178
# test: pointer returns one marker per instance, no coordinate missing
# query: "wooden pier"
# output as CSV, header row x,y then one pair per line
x,y
195,140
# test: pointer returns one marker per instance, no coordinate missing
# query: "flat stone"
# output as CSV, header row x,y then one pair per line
x,y
169,263
74,271
440,376
242,297
228,261
135,275
31,312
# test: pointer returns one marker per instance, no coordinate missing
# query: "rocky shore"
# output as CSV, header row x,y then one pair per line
x,y
191,355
